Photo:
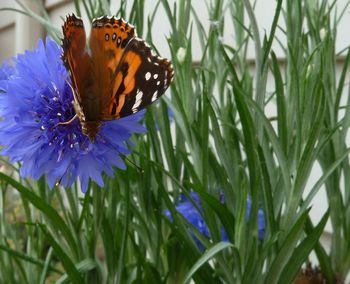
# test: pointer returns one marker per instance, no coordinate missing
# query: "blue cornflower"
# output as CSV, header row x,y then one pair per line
x,y
6,70
36,97
186,208
261,219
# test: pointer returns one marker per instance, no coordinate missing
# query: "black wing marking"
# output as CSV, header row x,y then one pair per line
x,y
151,79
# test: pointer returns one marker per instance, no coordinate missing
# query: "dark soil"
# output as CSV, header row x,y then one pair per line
x,y
312,275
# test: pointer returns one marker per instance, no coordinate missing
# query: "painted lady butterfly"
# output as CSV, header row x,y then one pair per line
x,y
117,77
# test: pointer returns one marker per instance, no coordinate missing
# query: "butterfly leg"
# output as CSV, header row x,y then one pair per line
x,y
59,180
69,121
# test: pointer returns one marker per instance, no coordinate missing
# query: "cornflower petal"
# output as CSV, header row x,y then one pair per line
x,y
189,211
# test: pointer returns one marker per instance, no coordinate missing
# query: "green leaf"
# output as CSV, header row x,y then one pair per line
x,y
280,155
268,45
29,259
67,262
286,250
46,266
46,209
81,267
220,209
205,258
324,260
326,174
302,251
281,104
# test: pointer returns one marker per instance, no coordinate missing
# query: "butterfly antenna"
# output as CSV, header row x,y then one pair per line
x,y
58,182
140,169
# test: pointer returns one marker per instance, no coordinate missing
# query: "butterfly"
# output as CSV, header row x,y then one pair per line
x,y
116,76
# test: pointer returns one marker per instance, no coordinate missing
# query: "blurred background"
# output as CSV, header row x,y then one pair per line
x,y
18,32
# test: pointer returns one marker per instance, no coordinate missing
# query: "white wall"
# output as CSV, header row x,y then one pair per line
x,y
7,32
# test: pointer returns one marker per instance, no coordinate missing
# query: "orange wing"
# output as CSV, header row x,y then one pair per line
x,y
75,57
108,39
141,78
121,75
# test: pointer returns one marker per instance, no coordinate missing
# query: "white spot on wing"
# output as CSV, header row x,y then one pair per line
x,y
155,76
148,76
155,96
138,101
158,82
165,80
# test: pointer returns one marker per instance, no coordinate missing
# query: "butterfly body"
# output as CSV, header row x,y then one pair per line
x,y
90,122
116,76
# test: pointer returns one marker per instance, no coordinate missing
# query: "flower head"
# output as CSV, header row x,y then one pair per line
x,y
37,96
189,211
6,70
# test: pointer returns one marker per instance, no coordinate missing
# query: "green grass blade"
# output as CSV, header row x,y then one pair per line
x,y
46,266
269,42
323,258
285,250
67,262
334,166
210,253
302,251
83,266
281,104
30,259
52,215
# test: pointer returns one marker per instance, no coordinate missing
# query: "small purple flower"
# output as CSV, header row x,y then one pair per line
x,y
186,208
34,97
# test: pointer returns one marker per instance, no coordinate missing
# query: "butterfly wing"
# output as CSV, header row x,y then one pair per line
x,y
108,39
121,75
140,78
75,57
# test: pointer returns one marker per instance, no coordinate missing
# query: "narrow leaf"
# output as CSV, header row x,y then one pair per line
x,y
205,258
